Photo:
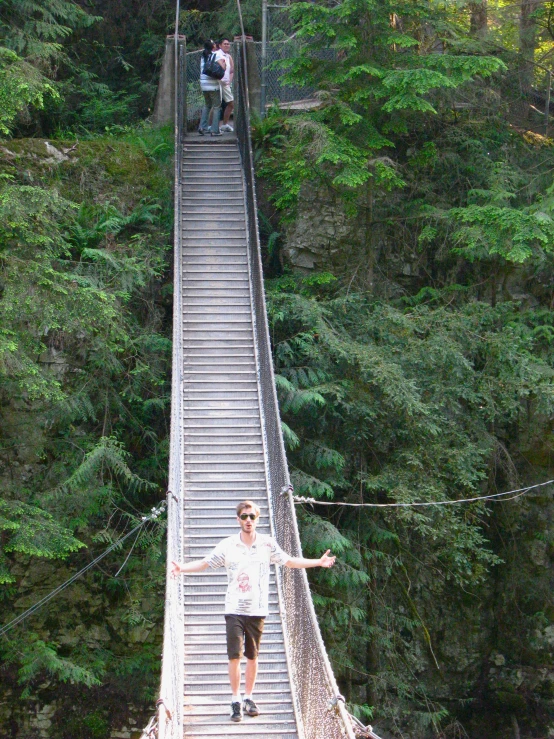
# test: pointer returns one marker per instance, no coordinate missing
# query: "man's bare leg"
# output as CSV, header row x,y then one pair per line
x,y
250,676
228,110
234,675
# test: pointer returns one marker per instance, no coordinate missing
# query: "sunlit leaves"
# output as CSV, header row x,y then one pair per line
x,y
511,233
373,76
21,86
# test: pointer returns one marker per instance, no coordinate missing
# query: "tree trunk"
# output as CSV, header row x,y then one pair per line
x,y
478,23
527,45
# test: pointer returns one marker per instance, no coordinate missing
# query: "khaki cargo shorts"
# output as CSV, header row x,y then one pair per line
x,y
227,93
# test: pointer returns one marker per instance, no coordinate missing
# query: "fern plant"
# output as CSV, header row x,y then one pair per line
x,y
409,402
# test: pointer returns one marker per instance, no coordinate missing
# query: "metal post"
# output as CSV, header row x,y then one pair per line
x,y
547,104
264,58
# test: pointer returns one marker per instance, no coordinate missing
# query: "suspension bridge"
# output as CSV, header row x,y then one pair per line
x,y
226,446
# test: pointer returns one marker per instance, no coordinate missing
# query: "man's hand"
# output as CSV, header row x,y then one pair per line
x,y
197,565
326,560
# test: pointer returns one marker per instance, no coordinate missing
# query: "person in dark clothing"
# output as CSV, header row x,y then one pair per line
x,y
211,90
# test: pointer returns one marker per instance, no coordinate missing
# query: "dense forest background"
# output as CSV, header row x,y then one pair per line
x,y
408,229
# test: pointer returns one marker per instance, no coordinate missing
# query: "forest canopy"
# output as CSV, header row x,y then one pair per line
x,y
408,235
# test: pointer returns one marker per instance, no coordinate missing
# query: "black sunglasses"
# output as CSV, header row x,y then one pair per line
x,y
252,516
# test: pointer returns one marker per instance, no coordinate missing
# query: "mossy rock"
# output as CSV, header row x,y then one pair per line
x,y
102,169
28,148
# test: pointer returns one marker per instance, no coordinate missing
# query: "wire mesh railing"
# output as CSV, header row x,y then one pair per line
x,y
320,709
170,704
277,90
192,92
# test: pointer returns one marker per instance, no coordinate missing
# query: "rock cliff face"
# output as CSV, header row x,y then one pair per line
x,y
326,236
318,237
371,255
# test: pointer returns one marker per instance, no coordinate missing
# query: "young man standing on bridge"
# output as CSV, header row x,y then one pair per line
x,y
226,83
247,557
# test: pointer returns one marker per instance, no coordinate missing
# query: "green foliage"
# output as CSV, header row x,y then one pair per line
x,y
110,73
373,79
514,234
42,288
32,33
31,531
84,385
408,403
21,86
37,657
99,107
403,384
35,29
108,454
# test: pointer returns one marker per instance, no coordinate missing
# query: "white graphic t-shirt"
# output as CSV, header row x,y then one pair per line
x,y
219,54
247,572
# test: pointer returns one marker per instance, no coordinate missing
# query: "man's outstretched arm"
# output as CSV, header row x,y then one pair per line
x,y
301,563
198,565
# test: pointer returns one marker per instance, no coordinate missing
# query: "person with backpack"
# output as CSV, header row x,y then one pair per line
x,y
211,72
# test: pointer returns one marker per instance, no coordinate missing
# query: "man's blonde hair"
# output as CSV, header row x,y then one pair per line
x,y
247,504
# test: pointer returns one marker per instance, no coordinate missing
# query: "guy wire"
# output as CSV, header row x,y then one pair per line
x,y
22,616
494,497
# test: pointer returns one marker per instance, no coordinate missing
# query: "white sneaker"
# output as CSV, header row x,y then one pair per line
x,y
227,128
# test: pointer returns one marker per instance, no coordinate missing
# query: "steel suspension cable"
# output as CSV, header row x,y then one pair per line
x,y
156,512
494,498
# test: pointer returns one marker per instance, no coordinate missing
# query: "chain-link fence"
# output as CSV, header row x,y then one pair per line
x,y
277,90
195,101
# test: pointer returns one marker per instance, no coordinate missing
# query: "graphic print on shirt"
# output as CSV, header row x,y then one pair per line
x,y
243,582
217,560
248,571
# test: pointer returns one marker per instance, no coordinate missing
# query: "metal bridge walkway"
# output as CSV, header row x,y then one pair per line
x,y
226,445
223,451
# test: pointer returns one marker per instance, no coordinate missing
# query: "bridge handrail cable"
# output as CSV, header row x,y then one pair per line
x,y
171,703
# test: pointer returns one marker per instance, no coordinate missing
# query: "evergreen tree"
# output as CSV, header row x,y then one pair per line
x,y
31,48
